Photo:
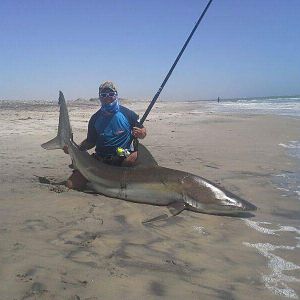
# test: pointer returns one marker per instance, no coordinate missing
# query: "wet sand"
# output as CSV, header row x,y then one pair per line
x,y
61,244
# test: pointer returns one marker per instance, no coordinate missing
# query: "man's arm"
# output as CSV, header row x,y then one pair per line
x,y
90,141
86,145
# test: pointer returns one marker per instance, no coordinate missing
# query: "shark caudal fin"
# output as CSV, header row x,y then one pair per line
x,y
64,132
52,144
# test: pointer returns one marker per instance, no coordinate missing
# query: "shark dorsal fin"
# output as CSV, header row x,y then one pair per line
x,y
145,158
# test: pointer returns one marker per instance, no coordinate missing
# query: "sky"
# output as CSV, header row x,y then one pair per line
x,y
242,48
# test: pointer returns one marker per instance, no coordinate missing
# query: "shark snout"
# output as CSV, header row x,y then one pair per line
x,y
236,204
247,206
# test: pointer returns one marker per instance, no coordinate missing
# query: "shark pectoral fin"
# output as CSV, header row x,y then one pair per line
x,y
157,218
52,144
176,207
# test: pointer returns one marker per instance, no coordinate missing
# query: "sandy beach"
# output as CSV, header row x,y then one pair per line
x,y
57,243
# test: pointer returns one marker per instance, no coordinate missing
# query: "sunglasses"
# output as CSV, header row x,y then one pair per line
x,y
110,94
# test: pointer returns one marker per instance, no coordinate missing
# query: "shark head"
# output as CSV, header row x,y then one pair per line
x,y
201,195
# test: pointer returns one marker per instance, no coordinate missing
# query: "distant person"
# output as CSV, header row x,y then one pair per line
x,y
111,130
218,99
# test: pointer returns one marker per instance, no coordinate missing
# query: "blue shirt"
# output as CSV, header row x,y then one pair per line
x,y
110,131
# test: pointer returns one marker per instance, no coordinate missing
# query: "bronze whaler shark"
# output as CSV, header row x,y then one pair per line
x,y
147,182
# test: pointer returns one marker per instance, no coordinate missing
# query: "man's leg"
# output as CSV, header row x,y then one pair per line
x,y
76,181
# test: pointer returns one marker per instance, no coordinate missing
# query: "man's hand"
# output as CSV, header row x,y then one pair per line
x,y
65,149
130,160
139,133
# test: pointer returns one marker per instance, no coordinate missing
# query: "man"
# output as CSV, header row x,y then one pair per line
x,y
111,130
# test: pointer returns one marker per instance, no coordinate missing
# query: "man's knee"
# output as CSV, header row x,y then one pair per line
x,y
69,184
76,181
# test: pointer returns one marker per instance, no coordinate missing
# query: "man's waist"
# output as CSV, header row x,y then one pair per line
x,y
110,159
106,151
110,151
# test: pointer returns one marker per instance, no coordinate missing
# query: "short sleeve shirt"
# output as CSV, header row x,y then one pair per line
x,y
108,132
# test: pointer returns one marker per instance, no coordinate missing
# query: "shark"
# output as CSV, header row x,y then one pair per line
x,y
147,182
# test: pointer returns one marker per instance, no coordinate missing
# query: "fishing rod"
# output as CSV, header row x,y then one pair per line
x,y
173,66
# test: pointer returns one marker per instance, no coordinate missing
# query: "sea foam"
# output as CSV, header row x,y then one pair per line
x,y
276,281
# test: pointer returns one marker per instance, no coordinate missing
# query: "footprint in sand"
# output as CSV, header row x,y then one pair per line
x,y
36,291
76,237
28,275
83,256
24,277
35,225
57,187
18,246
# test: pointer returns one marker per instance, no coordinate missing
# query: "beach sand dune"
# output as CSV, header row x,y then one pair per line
x,y
61,244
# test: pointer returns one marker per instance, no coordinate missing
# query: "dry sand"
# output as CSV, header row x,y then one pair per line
x,y
61,244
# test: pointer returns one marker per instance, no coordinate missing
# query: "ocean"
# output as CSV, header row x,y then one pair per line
x,y
283,271
283,105
288,183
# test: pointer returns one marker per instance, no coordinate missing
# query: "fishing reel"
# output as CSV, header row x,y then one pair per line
x,y
122,152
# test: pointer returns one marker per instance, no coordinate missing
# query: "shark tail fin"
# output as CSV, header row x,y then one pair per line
x,y
64,132
52,144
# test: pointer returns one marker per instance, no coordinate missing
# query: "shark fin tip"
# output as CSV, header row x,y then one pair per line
x,y
52,144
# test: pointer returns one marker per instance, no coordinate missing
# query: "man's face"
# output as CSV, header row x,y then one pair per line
x,y
107,96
